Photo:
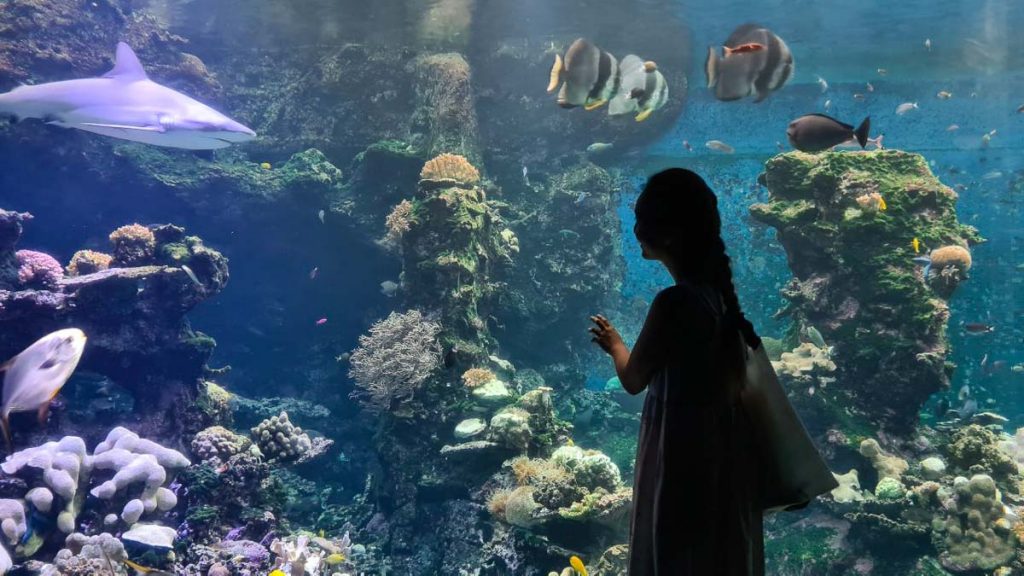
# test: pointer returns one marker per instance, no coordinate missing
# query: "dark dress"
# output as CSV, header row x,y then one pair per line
x,y
694,506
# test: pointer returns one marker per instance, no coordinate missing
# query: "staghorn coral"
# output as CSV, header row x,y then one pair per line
x,y
477,376
88,261
449,170
400,353
134,245
279,439
38,270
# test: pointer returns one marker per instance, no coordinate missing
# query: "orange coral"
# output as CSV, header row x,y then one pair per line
x,y
947,256
87,262
450,169
497,501
476,377
872,201
529,470
134,245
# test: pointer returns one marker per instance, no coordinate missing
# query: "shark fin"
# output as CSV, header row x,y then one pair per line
x,y
126,65
124,127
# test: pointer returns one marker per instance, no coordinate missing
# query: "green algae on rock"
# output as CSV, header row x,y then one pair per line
x,y
854,275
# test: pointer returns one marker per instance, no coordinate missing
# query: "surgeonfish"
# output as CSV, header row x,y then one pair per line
x,y
818,132
35,376
744,72
587,75
141,570
642,89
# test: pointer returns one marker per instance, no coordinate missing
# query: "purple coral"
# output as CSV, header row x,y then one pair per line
x,y
38,270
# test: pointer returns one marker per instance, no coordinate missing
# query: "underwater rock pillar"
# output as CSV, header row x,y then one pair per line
x,y
852,225
445,119
452,251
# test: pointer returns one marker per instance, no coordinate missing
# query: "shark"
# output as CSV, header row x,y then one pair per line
x,y
124,103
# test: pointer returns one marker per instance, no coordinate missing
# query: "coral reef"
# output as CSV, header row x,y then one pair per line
x,y
138,338
133,244
975,449
887,465
126,476
279,439
854,277
216,446
449,170
38,270
394,359
977,536
87,262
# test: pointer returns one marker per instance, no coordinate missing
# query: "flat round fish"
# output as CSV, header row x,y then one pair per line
x,y
758,72
582,69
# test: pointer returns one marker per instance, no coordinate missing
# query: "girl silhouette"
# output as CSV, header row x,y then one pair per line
x,y
695,505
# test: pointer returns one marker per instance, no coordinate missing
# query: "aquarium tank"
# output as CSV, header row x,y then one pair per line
x,y
303,287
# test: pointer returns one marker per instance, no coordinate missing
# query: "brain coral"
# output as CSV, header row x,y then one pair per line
x,y
88,261
134,245
946,256
450,170
38,270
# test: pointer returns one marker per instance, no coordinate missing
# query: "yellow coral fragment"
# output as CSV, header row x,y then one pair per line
x,y
556,74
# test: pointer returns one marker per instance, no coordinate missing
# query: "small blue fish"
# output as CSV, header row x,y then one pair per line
x,y
580,198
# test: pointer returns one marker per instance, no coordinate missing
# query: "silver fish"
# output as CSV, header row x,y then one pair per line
x,y
815,337
719,146
321,215
388,288
906,107
37,374
191,275
599,148
823,83
759,72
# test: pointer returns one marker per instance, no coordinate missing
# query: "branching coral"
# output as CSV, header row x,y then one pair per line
x,y
449,170
38,270
398,221
134,245
279,439
476,376
400,353
88,261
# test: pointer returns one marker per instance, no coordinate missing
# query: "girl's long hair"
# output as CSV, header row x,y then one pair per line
x,y
678,211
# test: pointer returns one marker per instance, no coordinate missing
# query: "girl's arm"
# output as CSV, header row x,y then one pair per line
x,y
635,369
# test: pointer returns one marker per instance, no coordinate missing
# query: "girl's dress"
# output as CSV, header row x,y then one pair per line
x,y
695,510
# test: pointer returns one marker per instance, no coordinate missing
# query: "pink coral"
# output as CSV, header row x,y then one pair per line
x,y
38,270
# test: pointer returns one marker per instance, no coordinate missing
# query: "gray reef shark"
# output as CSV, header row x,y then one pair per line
x,y
124,103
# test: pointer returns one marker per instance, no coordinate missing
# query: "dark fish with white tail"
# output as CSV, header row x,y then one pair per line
x,y
34,377
742,72
587,76
818,132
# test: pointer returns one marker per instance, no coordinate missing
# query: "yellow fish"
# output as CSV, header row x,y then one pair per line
x,y
916,244
146,570
335,559
276,572
577,565
569,442
881,203
265,165
321,533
